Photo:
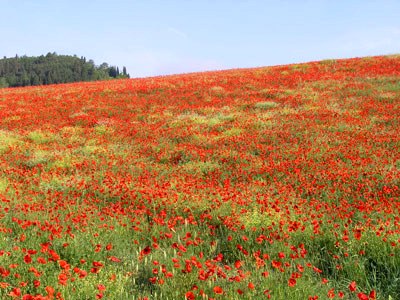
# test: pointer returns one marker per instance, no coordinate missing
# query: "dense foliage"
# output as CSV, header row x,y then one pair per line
x,y
268,183
52,69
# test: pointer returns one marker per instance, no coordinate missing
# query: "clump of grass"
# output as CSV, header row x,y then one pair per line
x,y
7,140
11,119
218,91
299,67
66,162
328,62
71,134
234,131
257,219
3,185
209,120
201,168
55,184
103,129
40,137
266,105
267,93
38,157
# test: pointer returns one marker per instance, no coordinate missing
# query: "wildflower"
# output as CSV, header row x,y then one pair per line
x,y
62,278
27,259
145,251
218,290
362,296
353,286
238,264
36,283
15,292
372,294
331,294
64,265
292,282
114,259
190,296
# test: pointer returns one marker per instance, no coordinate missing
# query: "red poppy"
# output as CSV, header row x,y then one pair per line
x,y
15,292
362,296
97,264
189,295
238,264
50,291
265,274
292,282
64,265
372,295
114,259
62,279
353,286
27,259
36,283
145,251
276,264
331,294
101,287
218,290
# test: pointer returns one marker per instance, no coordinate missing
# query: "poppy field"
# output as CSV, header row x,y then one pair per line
x,y
267,183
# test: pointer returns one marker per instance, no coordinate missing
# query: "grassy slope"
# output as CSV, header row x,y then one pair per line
x,y
280,181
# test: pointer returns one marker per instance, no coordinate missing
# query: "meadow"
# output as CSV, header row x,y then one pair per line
x,y
267,183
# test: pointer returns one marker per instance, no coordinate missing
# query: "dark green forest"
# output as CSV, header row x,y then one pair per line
x,y
53,69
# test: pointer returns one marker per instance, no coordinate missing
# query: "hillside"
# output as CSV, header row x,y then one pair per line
x,y
53,69
276,182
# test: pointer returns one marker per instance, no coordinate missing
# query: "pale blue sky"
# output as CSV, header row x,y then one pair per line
x,y
157,37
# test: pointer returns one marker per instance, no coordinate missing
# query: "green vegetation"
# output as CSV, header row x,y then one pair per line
x,y
52,69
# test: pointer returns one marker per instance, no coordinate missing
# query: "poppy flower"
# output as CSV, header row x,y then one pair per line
x,y
218,290
265,274
292,282
145,251
362,296
27,259
353,286
190,296
331,294
372,294
36,283
238,264
15,292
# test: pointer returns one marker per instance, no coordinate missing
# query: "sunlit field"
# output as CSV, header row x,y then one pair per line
x,y
268,183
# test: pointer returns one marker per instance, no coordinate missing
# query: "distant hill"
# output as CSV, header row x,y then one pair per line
x,y
53,69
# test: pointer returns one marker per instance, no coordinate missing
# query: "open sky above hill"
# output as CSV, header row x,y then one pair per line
x,y
157,37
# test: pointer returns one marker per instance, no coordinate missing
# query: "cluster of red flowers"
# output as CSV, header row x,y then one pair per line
x,y
253,183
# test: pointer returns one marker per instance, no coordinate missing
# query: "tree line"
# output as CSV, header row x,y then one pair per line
x,y
53,69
